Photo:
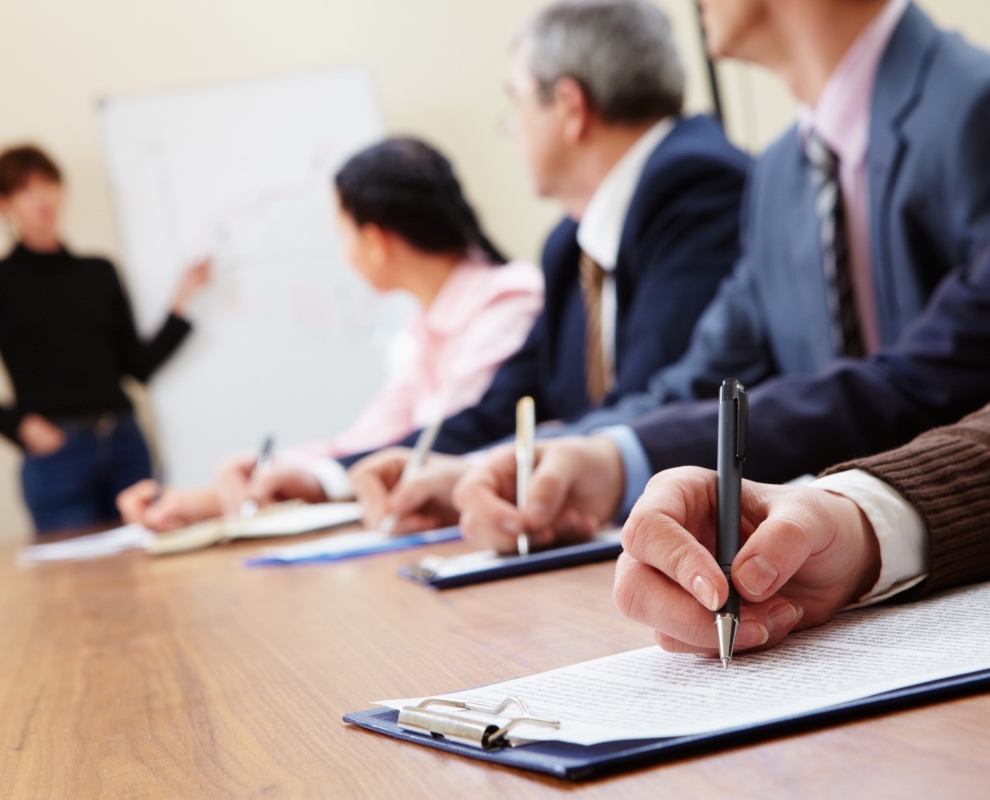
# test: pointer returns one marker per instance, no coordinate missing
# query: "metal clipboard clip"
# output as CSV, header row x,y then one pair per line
x,y
464,730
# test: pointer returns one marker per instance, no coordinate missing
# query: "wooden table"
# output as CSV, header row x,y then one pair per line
x,y
191,676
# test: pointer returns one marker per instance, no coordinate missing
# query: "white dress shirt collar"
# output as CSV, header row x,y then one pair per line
x,y
600,230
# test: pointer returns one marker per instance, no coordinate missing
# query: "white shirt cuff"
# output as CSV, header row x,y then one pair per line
x,y
898,526
332,476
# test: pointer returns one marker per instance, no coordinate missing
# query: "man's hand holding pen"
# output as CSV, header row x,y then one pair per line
x,y
576,486
806,553
419,502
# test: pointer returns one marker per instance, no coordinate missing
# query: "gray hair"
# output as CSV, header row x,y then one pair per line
x,y
621,52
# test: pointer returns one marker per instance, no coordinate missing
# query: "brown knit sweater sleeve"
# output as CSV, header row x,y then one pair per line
x,y
945,473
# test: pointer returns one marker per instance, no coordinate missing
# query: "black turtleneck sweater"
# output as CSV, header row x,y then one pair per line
x,y
67,337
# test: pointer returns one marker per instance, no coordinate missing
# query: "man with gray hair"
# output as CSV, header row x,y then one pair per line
x,y
652,202
621,54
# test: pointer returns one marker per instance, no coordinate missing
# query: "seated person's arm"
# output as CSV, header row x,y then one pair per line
x,y
810,552
945,475
164,508
490,419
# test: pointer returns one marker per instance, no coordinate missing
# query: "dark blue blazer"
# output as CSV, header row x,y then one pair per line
x,y
929,178
679,240
798,424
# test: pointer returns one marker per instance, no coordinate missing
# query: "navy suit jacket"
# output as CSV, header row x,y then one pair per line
x,y
679,240
929,178
798,424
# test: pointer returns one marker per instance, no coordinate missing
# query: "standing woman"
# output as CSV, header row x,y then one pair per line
x,y
67,337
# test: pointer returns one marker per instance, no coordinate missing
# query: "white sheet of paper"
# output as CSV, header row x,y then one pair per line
x,y
647,694
330,545
127,537
302,519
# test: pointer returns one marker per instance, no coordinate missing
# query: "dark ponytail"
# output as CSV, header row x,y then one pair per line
x,y
408,188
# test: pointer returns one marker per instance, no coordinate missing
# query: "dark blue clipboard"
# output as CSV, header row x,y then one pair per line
x,y
514,566
579,762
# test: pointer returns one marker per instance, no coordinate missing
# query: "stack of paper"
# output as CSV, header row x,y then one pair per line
x,y
651,694
94,545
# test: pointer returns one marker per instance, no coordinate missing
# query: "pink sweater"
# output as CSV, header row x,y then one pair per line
x,y
480,317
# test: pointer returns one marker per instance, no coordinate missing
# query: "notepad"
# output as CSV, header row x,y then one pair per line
x,y
653,695
280,519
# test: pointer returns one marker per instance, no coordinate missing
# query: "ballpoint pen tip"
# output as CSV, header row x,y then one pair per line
x,y
725,663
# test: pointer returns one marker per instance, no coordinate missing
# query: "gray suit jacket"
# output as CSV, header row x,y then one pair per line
x,y
929,175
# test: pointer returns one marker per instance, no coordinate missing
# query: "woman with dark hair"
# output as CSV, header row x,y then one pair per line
x,y
67,338
405,224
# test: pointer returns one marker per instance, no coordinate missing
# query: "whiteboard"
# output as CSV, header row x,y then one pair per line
x,y
288,340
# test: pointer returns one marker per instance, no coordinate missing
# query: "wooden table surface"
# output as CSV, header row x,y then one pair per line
x,y
191,676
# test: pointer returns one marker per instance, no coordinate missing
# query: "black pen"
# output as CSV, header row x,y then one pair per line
x,y
733,415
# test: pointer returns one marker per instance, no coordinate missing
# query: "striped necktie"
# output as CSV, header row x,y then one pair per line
x,y
599,375
846,336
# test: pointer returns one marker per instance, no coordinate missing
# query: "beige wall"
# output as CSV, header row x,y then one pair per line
x,y
439,67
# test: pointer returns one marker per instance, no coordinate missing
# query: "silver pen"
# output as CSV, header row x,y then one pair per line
x,y
250,506
421,451
525,458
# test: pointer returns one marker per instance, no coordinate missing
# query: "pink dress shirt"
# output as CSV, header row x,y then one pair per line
x,y
480,317
842,119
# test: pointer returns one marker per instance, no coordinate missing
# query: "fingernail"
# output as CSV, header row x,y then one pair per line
x,y
511,526
756,575
705,593
782,617
751,634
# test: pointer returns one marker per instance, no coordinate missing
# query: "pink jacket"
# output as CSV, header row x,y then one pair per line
x,y
480,317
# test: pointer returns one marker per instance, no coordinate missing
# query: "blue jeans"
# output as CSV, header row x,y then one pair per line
x,y
76,485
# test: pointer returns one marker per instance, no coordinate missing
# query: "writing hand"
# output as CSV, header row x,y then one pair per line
x,y
806,554
233,481
421,502
278,482
163,509
576,486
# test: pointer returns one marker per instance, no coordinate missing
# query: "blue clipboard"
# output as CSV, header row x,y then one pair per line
x,y
511,566
579,762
